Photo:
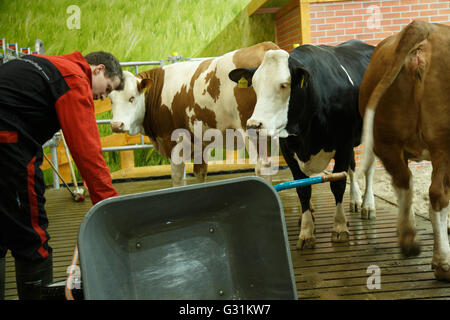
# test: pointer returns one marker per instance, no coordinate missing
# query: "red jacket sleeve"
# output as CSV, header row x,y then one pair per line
x,y
76,114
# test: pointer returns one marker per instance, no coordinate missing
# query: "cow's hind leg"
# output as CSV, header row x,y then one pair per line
x,y
439,212
397,166
355,192
441,250
406,225
368,207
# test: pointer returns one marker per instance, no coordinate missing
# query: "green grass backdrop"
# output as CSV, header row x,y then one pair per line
x,y
134,31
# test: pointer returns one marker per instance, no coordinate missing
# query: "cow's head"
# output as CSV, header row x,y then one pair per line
x,y
128,105
273,82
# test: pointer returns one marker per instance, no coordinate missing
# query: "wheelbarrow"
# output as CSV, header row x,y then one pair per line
x,y
219,240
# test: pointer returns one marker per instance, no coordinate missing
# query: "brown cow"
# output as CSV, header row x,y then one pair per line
x,y
405,101
159,101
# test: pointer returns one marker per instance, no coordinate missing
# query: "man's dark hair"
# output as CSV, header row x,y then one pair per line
x,y
112,65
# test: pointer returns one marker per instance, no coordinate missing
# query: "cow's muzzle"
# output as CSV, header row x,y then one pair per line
x,y
117,126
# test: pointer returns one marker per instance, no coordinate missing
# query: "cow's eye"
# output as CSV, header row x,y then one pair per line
x,y
131,99
284,85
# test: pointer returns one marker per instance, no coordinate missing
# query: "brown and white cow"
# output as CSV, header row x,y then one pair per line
x,y
405,101
158,101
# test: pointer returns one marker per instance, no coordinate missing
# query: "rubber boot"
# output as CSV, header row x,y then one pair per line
x,y
2,278
31,276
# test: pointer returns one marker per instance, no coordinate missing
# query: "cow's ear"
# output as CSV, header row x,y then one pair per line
x,y
301,77
144,85
242,76
299,74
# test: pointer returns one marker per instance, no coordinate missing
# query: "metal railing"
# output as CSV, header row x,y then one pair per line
x,y
10,51
136,64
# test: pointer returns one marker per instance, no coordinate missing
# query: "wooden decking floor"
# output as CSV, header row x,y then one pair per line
x,y
330,271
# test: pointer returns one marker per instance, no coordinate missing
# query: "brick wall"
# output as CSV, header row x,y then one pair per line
x,y
371,21
287,26
367,20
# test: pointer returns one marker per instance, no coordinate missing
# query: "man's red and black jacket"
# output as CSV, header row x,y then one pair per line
x,y
41,94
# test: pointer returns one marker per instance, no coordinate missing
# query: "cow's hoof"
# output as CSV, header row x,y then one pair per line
x,y
340,236
368,214
308,243
442,272
354,206
409,245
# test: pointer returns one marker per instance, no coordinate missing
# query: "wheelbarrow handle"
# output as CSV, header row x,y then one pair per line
x,y
310,181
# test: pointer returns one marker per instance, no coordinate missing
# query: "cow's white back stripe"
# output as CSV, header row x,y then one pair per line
x,y
350,79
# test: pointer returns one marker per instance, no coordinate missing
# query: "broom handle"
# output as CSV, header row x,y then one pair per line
x,y
54,169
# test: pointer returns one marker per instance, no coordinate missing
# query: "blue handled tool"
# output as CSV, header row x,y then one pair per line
x,y
310,181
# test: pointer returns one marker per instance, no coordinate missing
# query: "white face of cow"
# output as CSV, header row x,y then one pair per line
x,y
272,84
128,106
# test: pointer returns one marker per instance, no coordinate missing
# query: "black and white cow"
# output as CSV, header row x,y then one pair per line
x,y
310,99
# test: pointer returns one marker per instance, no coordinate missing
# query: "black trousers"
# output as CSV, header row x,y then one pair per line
x,y
23,220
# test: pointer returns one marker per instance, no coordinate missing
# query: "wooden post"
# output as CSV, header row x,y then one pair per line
x,y
305,27
232,156
127,159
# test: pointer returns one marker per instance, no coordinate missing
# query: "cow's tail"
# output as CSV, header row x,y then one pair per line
x,y
410,39
368,157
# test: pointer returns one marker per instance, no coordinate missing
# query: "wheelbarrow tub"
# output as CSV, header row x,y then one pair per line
x,y
218,240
